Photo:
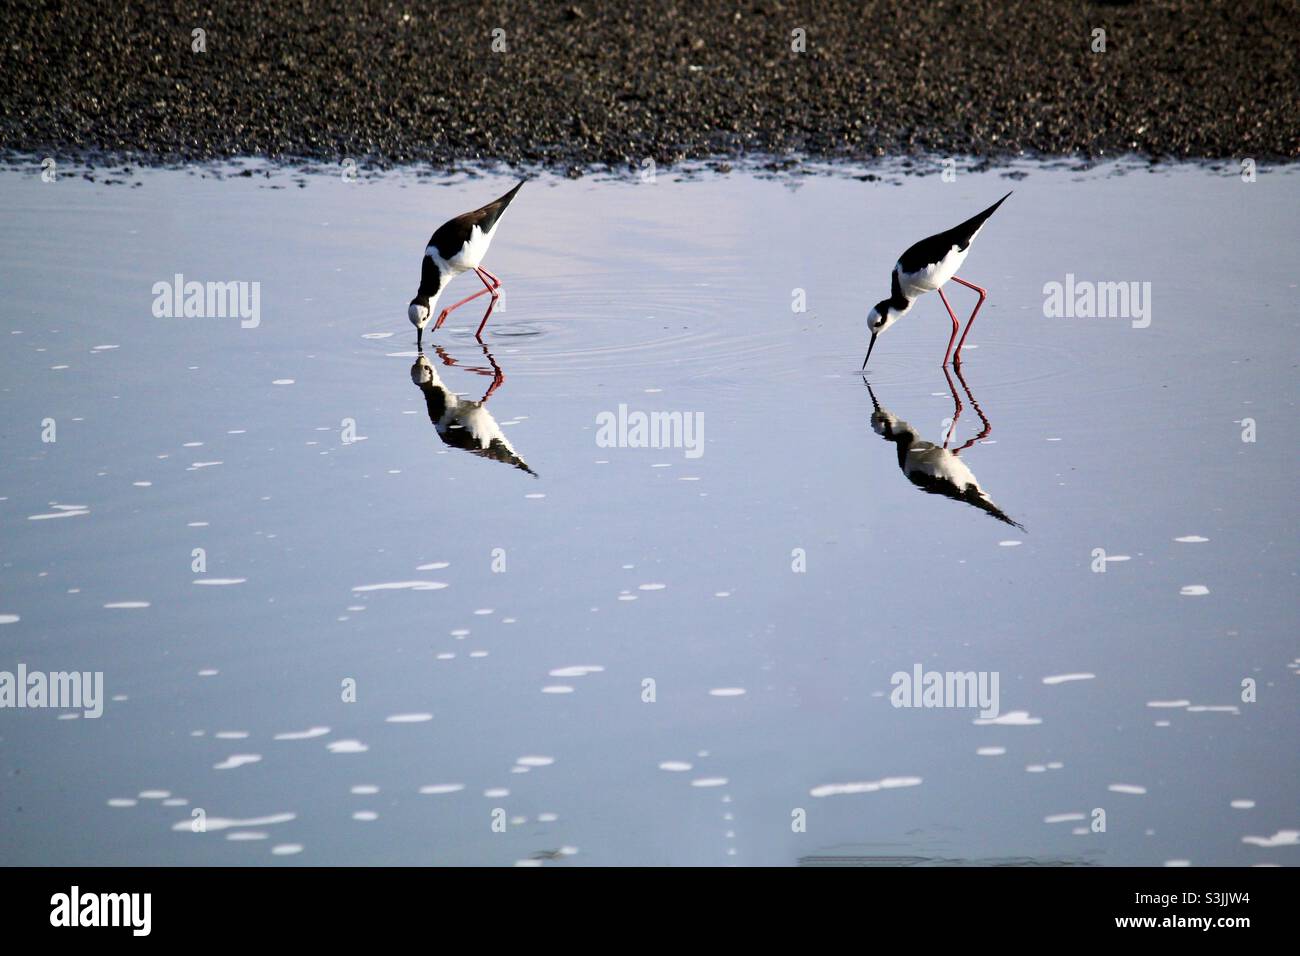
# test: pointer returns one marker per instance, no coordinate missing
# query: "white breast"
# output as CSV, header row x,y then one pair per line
x,y
932,277
470,256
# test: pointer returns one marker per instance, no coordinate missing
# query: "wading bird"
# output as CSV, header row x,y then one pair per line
x,y
458,246
925,267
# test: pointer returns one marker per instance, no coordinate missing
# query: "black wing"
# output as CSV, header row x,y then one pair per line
x,y
453,234
929,251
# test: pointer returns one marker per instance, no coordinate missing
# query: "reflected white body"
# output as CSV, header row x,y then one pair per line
x,y
927,458
471,416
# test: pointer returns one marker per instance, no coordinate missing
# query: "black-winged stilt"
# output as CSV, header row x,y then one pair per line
x,y
458,246
925,267
464,424
936,468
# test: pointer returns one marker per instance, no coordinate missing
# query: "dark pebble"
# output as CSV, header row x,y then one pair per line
x,y
615,83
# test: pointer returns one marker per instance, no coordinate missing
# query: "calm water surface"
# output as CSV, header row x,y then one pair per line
x,y
503,616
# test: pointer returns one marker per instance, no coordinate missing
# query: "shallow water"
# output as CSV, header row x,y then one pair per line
x,y
499,628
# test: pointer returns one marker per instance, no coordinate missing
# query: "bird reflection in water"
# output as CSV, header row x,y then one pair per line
x,y
933,468
464,424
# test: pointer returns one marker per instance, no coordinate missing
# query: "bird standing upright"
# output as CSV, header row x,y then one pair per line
x,y
458,246
925,267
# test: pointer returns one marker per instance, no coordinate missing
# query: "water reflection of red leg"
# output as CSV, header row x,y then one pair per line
x,y
498,377
978,411
983,295
956,401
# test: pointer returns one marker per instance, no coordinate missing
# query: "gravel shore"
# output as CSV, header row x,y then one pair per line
x,y
571,85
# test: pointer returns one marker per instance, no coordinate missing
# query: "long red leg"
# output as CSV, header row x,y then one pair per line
x,y
447,311
983,295
489,286
955,326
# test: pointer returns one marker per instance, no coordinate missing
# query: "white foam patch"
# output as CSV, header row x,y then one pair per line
x,y
365,790
990,751
709,782
675,766
653,586
121,802
236,760
557,689
1280,838
408,718
219,582
577,670
365,815
62,511
9,618
1066,678
727,692
403,586
246,835
154,794
433,566
437,788
535,761
1126,788
1014,718
286,849
864,786
1191,539
1242,804
1193,590
227,823
346,747
494,792
1064,818
1169,703
127,605
307,734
